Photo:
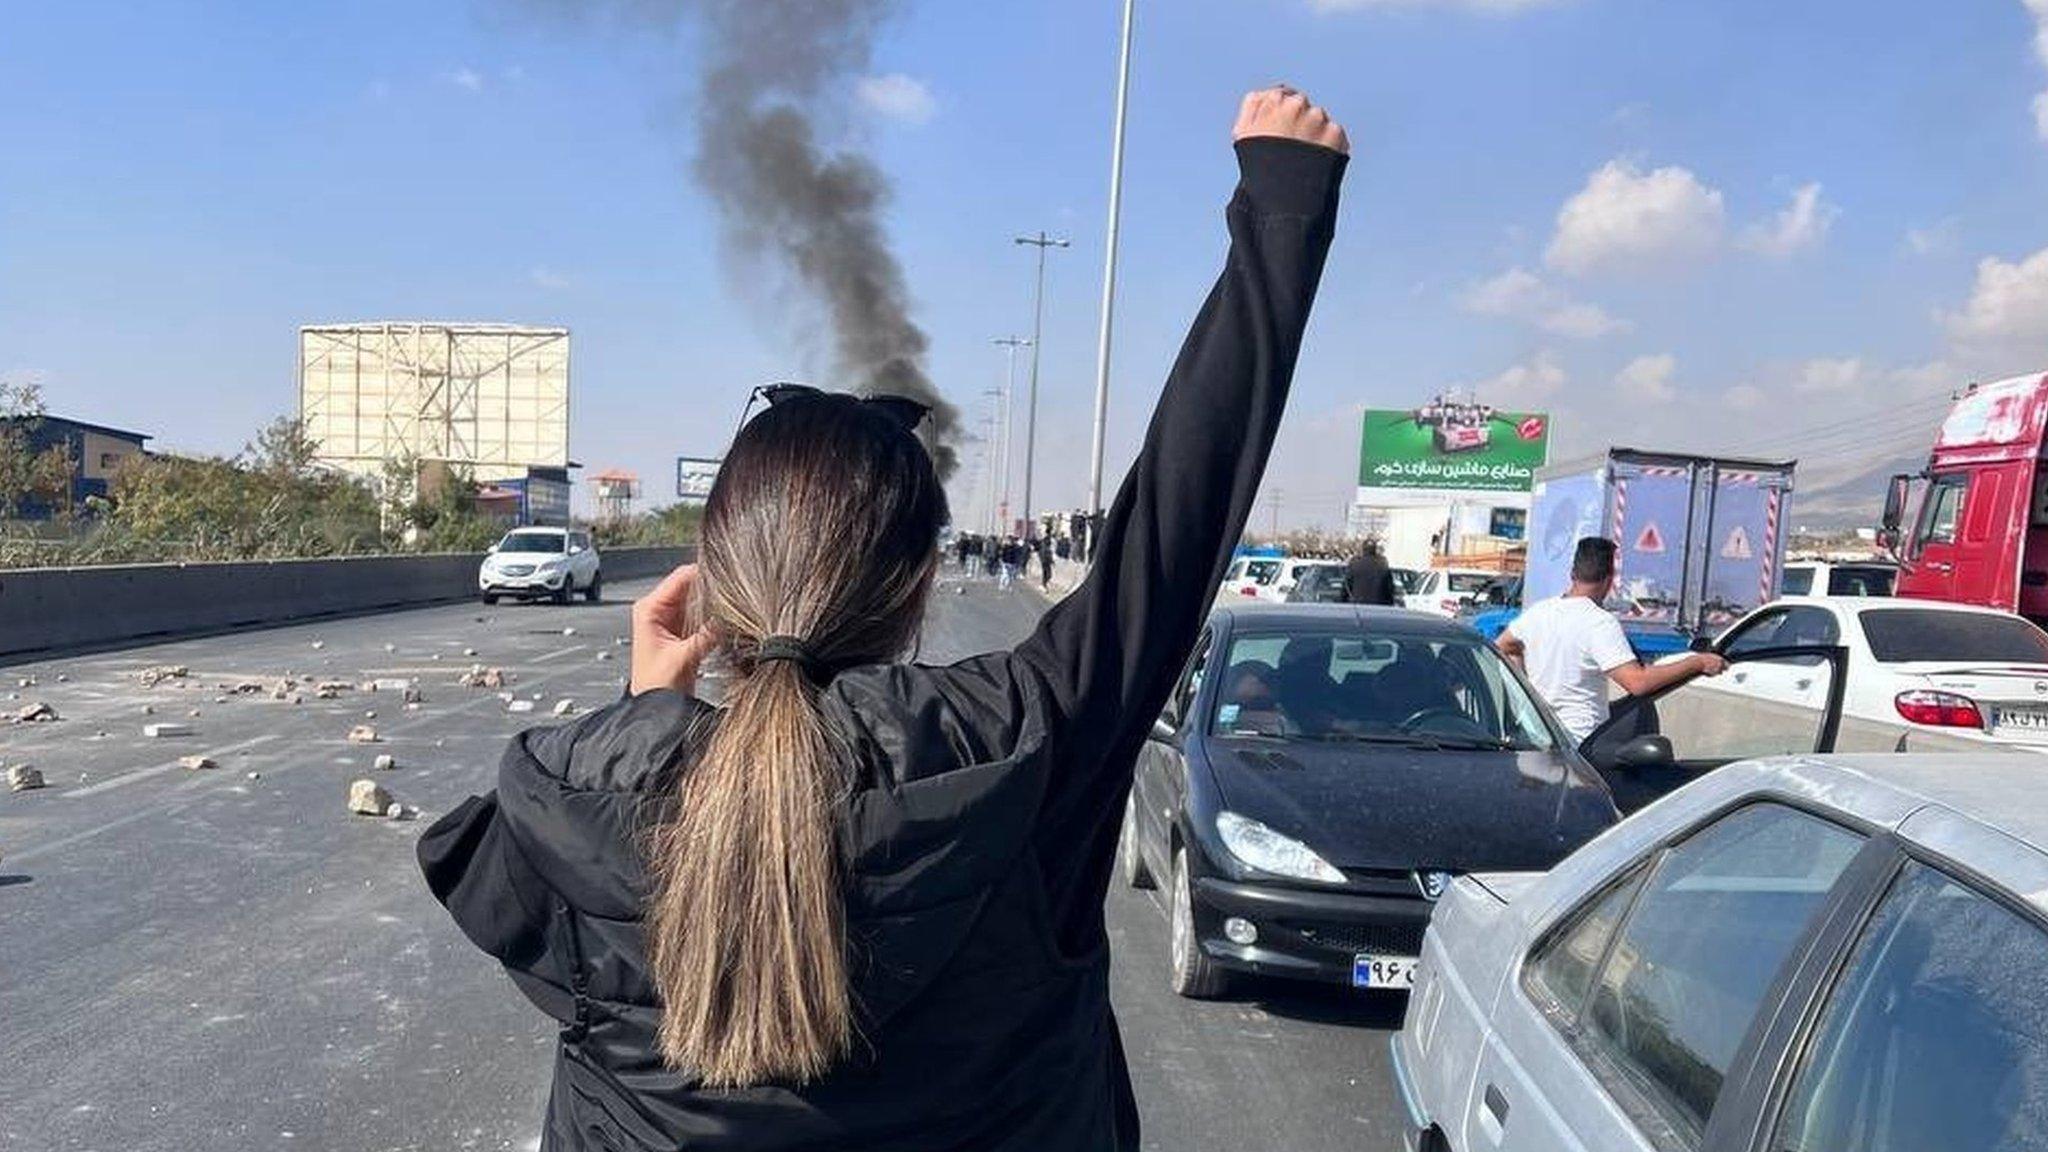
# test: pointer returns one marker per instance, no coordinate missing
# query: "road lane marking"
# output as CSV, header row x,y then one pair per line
x,y
160,769
27,854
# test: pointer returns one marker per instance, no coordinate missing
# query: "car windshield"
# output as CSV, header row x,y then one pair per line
x,y
1468,581
532,542
1903,635
1337,686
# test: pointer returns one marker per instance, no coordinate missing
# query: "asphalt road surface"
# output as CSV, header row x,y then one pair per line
x,y
225,959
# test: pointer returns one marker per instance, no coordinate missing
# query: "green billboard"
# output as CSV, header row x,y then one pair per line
x,y
1452,445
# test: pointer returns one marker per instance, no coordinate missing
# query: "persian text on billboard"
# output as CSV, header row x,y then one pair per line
x,y
1448,444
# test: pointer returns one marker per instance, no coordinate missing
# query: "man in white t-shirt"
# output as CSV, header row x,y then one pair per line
x,y
1571,647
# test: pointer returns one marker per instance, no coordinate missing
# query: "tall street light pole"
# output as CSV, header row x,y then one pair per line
x,y
1009,345
1041,241
996,414
1116,202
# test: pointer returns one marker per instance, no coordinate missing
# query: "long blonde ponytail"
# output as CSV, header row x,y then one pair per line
x,y
819,542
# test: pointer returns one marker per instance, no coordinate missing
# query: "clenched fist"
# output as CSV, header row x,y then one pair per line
x,y
1283,112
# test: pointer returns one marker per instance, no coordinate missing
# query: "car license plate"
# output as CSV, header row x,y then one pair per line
x,y
2023,719
1369,971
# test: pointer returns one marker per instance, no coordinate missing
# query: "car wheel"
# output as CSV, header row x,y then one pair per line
x,y
567,591
1195,976
490,597
595,592
1129,860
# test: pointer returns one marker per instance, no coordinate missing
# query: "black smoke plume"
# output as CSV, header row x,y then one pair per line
x,y
814,209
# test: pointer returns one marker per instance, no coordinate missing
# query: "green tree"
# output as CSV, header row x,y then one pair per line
x,y
26,474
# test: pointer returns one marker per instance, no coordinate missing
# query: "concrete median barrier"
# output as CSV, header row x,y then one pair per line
x,y
47,610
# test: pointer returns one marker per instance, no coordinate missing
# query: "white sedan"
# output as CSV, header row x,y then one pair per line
x,y
1920,673
1822,953
1443,591
536,563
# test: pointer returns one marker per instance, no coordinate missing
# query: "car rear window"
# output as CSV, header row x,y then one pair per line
x,y
1902,635
1860,582
1468,581
1797,582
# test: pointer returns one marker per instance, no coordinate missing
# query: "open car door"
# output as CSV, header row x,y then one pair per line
x,y
1770,702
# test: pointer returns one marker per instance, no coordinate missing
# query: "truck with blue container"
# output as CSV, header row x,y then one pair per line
x,y
1701,539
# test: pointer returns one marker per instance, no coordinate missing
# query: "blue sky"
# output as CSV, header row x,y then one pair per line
x,y
1741,225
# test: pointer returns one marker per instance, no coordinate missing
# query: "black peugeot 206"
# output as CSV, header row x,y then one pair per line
x,y
1320,774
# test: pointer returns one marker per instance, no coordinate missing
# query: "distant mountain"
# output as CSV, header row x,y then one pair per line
x,y
1825,498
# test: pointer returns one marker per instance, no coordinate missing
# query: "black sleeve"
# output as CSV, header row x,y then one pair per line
x,y
1108,655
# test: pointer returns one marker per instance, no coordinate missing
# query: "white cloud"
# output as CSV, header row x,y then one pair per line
x,y
544,277
1845,374
1802,224
1523,295
1504,7
1650,377
2008,304
1625,218
1745,397
1538,378
467,79
2039,8
1937,239
897,96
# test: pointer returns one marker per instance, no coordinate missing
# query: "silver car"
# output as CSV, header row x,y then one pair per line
x,y
1800,954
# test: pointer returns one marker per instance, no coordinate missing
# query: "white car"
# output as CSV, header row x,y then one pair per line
x,y
1918,673
1444,591
1268,578
1838,578
1810,953
537,563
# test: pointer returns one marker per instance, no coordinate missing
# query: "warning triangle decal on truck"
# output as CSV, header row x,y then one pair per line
x,y
1651,540
1737,547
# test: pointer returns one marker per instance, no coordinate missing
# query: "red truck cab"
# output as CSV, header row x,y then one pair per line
x,y
1979,532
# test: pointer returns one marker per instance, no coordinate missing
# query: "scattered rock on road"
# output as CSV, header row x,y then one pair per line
x,y
368,798
604,655
395,811
22,778
151,677
197,763
36,713
479,676
362,734
319,644
412,694
565,707
158,731
519,706
385,762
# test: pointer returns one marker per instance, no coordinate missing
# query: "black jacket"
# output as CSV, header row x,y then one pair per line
x,y
1368,580
984,811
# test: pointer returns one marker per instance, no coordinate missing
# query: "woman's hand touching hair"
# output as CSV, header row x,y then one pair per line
x,y
1283,112
667,647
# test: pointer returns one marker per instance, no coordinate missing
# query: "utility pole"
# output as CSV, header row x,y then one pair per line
x,y
995,450
1041,241
1273,503
1009,345
1116,200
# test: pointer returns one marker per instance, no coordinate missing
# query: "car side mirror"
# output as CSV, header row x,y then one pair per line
x,y
1895,503
1163,731
575,548
492,550
1647,751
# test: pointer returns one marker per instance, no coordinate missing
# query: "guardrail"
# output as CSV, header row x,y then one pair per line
x,y
44,611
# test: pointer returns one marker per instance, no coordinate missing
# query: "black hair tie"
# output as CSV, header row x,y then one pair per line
x,y
794,650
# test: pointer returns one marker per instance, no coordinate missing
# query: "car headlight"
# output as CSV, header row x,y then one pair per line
x,y
1268,851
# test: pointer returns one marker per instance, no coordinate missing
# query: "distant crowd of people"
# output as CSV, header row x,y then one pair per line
x,y
1003,558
